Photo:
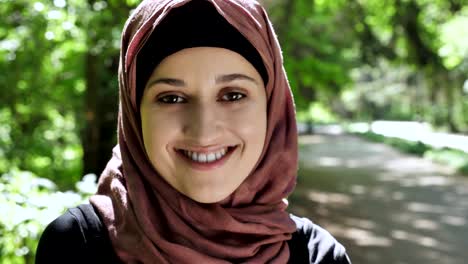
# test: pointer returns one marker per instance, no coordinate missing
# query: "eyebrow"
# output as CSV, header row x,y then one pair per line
x,y
219,79
168,81
233,77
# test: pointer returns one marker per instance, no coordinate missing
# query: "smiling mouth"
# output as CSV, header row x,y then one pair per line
x,y
206,157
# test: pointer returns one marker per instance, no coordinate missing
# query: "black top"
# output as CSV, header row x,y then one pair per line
x,y
78,236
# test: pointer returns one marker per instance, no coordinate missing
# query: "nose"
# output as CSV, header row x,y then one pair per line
x,y
203,123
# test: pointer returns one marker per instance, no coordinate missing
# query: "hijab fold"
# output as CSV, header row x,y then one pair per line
x,y
148,221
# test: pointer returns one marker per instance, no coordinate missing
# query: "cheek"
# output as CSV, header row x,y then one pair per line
x,y
250,122
158,130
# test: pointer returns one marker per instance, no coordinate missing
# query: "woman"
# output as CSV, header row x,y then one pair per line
x,y
207,149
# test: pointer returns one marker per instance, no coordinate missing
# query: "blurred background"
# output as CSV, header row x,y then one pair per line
x,y
381,90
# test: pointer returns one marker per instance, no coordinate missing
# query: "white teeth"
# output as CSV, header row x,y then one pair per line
x,y
205,157
202,157
211,157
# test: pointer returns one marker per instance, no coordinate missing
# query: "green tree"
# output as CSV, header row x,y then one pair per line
x,y
59,107
336,48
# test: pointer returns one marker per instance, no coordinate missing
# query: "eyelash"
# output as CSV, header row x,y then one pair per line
x,y
165,99
236,94
176,99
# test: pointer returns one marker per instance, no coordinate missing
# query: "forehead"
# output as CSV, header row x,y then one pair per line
x,y
203,60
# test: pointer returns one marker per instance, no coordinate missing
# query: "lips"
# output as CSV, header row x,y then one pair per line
x,y
206,159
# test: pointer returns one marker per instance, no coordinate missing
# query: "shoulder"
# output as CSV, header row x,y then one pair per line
x,y
320,245
77,236
62,241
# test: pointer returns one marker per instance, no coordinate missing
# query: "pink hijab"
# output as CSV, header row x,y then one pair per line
x,y
148,221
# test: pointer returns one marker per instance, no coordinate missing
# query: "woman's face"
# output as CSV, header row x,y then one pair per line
x,y
204,120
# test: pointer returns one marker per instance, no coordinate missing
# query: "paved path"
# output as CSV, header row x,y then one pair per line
x,y
384,206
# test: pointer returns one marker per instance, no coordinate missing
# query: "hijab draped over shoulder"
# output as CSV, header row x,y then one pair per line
x,y
149,221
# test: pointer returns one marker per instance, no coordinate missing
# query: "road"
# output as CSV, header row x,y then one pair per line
x,y
384,206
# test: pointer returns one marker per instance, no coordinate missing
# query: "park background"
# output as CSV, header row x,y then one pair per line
x,y
350,63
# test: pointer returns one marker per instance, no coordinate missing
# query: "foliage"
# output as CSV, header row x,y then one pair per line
x,y
28,203
45,110
417,148
452,157
317,113
41,51
366,60
455,158
316,49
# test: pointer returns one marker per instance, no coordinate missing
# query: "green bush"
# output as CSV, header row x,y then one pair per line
x,y
372,136
27,204
416,148
464,169
455,158
452,157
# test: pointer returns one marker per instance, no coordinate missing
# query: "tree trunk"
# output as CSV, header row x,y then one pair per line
x,y
101,96
91,135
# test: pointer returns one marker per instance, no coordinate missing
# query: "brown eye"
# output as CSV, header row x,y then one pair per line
x,y
233,96
171,99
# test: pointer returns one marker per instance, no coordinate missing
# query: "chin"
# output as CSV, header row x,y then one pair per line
x,y
208,197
